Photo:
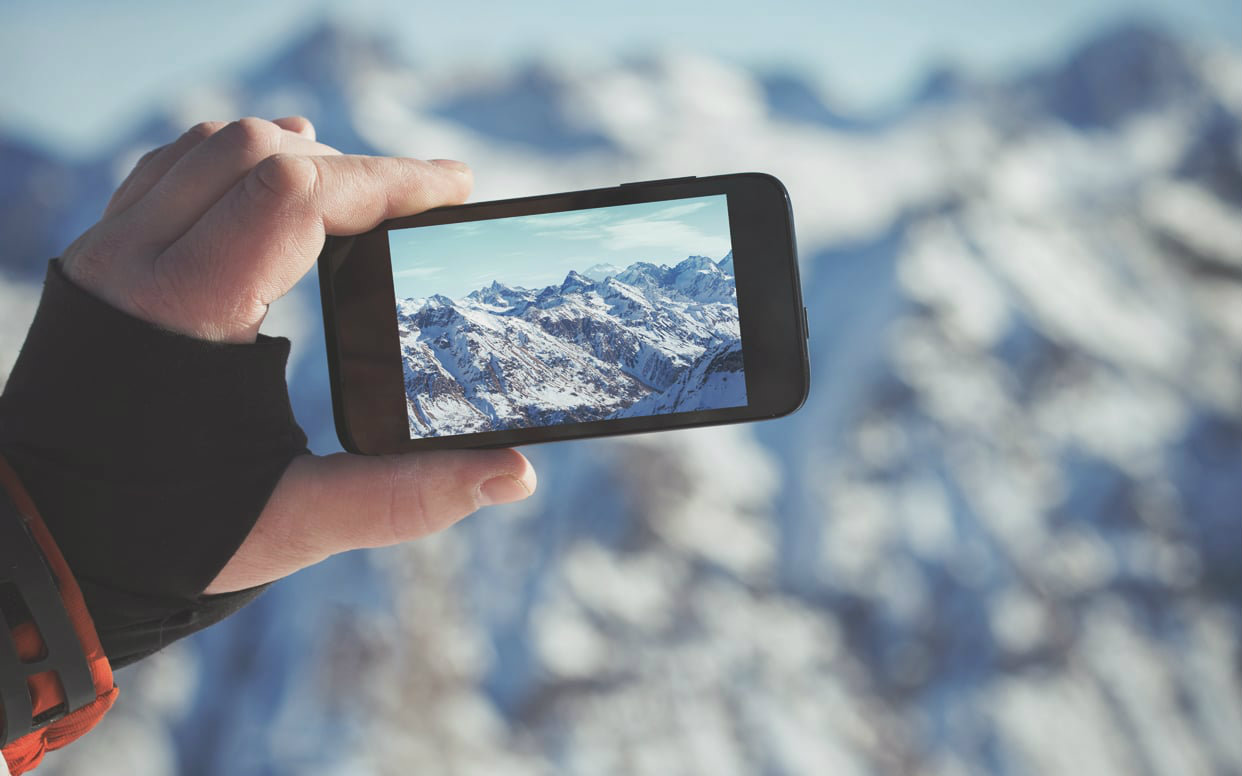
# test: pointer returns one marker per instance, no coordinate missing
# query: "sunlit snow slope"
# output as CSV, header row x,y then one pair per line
x,y
648,339
1002,536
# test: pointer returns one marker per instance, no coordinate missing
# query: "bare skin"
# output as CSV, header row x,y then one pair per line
x,y
203,235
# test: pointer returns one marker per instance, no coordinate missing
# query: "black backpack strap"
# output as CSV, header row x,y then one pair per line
x,y
29,595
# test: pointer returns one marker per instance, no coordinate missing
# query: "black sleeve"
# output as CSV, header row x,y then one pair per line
x,y
149,454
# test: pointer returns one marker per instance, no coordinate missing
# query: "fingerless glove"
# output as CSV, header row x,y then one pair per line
x,y
150,455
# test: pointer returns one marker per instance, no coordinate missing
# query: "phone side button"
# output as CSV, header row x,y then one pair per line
x,y
662,180
806,324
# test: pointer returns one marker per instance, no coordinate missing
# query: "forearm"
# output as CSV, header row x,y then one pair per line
x,y
150,455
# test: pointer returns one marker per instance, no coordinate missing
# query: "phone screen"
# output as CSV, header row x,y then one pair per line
x,y
583,315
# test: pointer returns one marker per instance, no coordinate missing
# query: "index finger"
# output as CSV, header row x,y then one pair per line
x,y
254,243
351,194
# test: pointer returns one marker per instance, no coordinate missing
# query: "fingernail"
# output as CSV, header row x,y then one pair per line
x,y
451,164
502,490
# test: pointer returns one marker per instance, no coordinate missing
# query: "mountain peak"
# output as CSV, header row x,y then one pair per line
x,y
696,264
575,280
1128,69
530,105
491,291
944,83
641,272
331,51
792,95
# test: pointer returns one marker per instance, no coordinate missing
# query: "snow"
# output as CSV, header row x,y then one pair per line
x,y
501,358
18,300
1193,216
1008,515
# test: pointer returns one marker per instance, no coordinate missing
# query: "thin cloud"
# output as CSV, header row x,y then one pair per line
x,y
571,234
418,272
677,236
559,220
465,227
677,211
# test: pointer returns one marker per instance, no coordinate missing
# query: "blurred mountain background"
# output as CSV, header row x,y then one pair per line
x,y
1003,536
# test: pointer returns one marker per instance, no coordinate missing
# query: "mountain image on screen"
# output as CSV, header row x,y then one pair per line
x,y
605,343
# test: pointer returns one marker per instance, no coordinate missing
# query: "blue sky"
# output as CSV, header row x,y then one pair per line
x,y
80,73
536,251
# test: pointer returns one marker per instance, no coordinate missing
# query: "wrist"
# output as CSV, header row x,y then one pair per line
x,y
150,453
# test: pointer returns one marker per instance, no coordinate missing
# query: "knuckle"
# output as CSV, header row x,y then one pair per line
x,y
284,177
148,156
203,130
254,137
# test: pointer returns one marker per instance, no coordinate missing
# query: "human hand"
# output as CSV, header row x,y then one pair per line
x,y
203,235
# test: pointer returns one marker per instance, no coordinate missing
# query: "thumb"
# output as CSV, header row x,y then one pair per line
x,y
325,505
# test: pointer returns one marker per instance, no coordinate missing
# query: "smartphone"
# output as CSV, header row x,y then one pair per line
x,y
643,307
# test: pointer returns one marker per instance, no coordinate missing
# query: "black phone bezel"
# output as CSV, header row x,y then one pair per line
x,y
356,288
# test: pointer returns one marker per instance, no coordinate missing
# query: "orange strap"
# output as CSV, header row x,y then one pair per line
x,y
25,753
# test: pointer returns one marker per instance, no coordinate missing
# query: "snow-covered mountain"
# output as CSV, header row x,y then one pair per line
x,y
647,339
1002,536
602,271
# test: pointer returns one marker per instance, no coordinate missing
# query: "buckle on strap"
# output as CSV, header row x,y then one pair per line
x,y
29,594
